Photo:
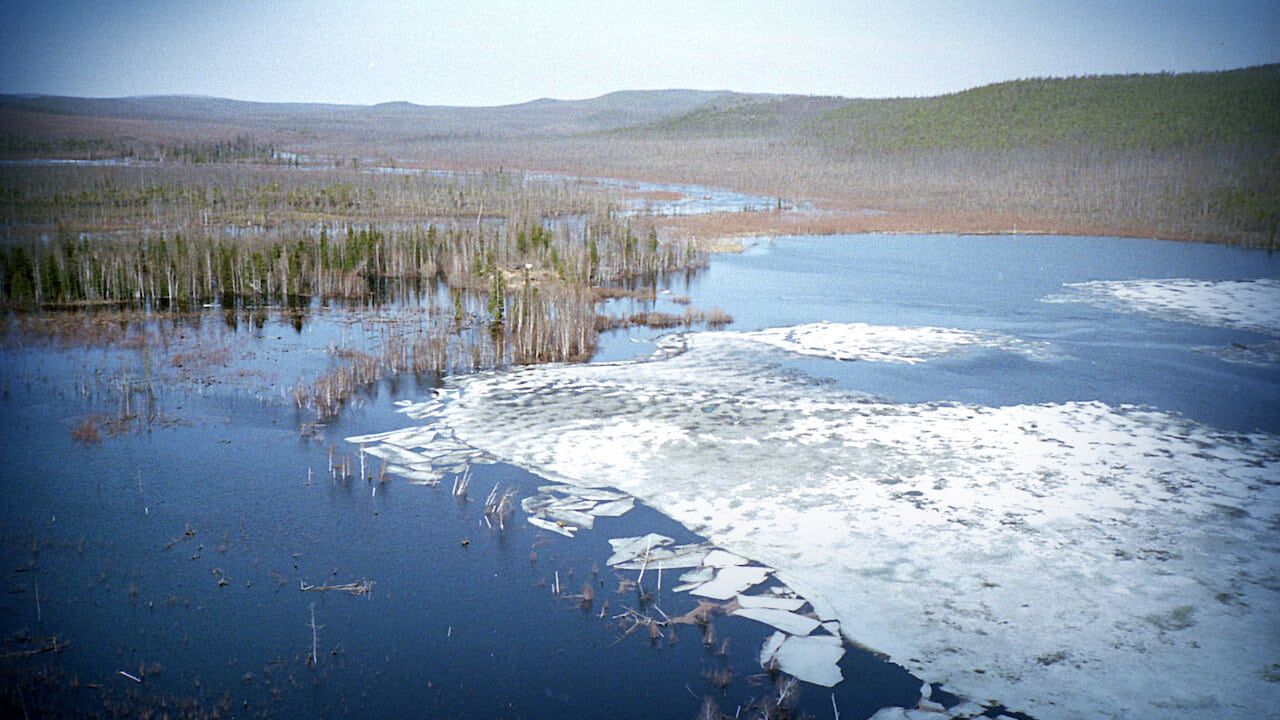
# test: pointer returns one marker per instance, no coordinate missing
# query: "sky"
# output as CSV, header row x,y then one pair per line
x,y
491,52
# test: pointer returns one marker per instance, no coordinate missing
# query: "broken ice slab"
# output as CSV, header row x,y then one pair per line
x,y
420,477
694,578
613,508
787,622
535,503
722,558
572,517
395,454
680,556
566,531
701,575
770,647
766,601
832,627
812,659
419,438
571,503
730,581
631,548
378,437
585,493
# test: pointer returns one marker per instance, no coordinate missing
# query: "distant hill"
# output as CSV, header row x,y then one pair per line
x,y
1163,110
397,119
1113,111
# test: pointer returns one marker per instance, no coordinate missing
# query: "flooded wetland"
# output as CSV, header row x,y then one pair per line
x,y
658,404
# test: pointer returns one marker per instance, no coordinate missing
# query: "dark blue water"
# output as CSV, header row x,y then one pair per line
x,y
995,283
174,552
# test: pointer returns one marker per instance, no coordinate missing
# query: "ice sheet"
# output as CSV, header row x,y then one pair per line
x,y
886,343
1018,553
1242,304
788,622
730,581
811,659
770,601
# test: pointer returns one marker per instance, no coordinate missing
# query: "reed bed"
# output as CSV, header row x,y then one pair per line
x,y
467,271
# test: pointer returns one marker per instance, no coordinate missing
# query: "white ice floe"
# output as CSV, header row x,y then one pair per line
x,y
576,518
594,494
635,548
613,508
730,581
770,647
1019,553
813,659
545,524
788,622
722,558
1241,304
885,343
418,477
933,711
770,601
668,558
394,454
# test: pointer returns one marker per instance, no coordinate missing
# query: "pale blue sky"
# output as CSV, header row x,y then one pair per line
x,y
498,51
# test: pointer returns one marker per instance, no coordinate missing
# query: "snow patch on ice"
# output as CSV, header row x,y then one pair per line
x,y
884,343
1241,304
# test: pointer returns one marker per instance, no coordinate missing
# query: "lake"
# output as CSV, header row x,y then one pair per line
x,y
982,453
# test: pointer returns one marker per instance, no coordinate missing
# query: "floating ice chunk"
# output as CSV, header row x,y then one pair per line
x,y
701,575
730,581
535,503
572,503
765,601
631,548
379,437
417,438
832,627
723,558
680,556
566,531
585,493
573,517
900,713
787,622
421,409
812,659
613,508
395,454
418,477
770,647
